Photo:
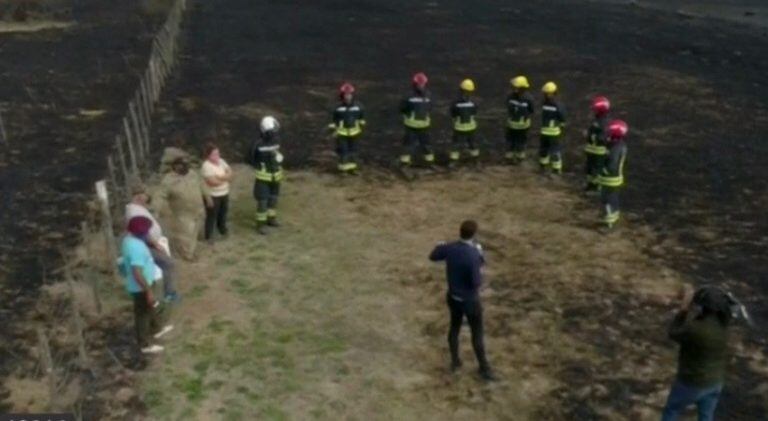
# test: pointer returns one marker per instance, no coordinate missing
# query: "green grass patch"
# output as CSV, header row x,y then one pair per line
x,y
197,291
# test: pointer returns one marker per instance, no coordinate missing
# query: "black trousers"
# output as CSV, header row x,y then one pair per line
x,y
593,168
217,215
474,314
464,140
414,141
146,319
346,148
266,194
516,140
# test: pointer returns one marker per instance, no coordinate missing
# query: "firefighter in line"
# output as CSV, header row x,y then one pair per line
x,y
348,122
519,111
596,141
552,123
267,159
416,118
463,112
612,177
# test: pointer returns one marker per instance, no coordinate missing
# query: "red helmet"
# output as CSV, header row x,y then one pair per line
x,y
601,105
346,88
617,129
420,79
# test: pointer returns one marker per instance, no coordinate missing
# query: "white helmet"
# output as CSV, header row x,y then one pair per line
x,y
269,124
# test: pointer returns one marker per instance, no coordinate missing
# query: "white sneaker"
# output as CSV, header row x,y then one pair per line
x,y
163,331
153,349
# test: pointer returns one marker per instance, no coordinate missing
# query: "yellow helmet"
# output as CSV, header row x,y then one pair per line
x,y
549,88
468,85
520,82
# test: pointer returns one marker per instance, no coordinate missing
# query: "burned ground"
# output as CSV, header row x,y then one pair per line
x,y
693,91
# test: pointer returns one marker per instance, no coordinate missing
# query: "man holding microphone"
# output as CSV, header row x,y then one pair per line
x,y
463,259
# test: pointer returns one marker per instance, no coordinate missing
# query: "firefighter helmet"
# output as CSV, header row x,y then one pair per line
x,y
269,124
420,79
549,88
617,129
520,82
601,105
346,88
468,85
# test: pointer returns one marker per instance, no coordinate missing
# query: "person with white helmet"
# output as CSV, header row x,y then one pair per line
x,y
519,111
611,179
552,123
267,160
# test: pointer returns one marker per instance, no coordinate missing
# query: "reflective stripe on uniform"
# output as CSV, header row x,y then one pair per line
x,y
523,123
608,181
405,159
414,123
464,127
551,130
429,157
271,213
474,153
261,216
595,149
454,156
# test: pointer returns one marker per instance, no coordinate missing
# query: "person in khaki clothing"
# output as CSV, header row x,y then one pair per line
x,y
186,196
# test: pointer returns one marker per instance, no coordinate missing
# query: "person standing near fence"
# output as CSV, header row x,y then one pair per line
x,y
140,272
186,196
157,242
217,175
268,162
463,260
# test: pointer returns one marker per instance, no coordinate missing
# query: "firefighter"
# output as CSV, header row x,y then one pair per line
x,y
463,112
612,177
519,109
348,122
595,147
267,159
416,118
552,123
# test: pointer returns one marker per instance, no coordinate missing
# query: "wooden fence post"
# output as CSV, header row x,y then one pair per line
x,y
131,150
77,321
46,363
123,165
3,134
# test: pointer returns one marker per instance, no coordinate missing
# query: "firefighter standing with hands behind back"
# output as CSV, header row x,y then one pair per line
x,y
348,122
596,142
552,123
519,111
463,112
612,178
416,110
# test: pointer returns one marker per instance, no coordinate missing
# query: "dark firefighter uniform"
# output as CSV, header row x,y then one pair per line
x,y
416,119
463,112
552,122
348,122
519,111
267,159
611,180
596,151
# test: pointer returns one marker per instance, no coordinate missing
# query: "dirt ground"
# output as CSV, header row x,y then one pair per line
x,y
339,314
692,89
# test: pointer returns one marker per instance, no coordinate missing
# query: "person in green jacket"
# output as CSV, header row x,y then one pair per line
x,y
701,329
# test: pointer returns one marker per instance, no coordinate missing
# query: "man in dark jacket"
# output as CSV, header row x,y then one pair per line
x,y
463,260
700,327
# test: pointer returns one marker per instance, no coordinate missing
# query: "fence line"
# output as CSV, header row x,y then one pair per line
x,y
128,161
